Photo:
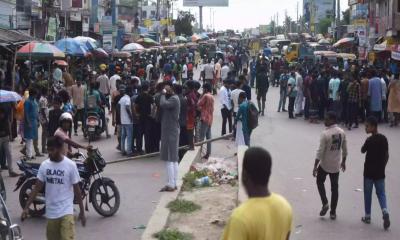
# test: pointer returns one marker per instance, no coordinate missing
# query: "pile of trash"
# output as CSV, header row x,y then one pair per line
x,y
217,171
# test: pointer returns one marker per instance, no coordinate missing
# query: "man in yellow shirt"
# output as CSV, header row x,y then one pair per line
x,y
266,215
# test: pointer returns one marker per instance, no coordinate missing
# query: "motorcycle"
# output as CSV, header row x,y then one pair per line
x,y
101,192
94,125
8,231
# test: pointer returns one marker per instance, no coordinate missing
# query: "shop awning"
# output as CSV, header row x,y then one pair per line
x,y
13,37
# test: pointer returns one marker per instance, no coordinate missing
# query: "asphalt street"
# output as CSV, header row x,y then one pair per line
x,y
293,145
138,182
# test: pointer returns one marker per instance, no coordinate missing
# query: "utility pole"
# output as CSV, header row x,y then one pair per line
x,y
201,18
297,16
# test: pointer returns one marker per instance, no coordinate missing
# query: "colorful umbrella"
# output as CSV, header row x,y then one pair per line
x,y
344,42
61,63
39,50
132,47
9,96
195,38
87,42
72,47
148,42
121,54
180,39
99,53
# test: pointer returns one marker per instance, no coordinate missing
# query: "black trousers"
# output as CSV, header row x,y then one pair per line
x,y
78,118
183,141
144,131
334,178
291,106
226,117
307,108
352,114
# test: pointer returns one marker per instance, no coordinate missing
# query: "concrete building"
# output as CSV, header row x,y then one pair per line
x,y
317,10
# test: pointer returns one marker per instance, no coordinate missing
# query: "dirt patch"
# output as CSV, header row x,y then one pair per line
x,y
208,223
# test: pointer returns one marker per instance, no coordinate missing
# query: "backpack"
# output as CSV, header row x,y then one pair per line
x,y
253,116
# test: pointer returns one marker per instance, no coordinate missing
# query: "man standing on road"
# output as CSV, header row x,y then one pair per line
x,y
209,74
170,107
262,85
283,81
264,215
104,85
300,93
331,157
60,178
377,149
126,122
78,96
206,108
226,107
292,93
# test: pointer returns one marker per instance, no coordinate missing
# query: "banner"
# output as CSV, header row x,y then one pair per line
x,y
52,29
108,42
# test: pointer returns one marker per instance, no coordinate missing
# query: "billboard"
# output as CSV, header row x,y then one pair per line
x,y
206,3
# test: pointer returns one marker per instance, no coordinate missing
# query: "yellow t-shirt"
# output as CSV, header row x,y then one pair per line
x,y
268,218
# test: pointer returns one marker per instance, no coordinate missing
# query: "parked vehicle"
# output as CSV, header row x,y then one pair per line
x,y
100,191
8,230
299,51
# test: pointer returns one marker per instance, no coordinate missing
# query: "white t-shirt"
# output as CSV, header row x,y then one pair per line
x,y
235,99
148,68
59,178
224,72
113,82
184,71
124,102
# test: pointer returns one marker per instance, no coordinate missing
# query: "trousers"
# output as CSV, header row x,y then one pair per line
x,y
334,178
172,173
380,193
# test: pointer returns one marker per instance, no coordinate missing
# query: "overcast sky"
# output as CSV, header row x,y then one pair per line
x,y
248,13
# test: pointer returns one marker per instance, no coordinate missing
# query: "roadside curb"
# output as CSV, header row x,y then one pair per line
x,y
159,218
242,196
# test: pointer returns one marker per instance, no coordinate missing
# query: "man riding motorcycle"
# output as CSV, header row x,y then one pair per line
x,y
62,132
95,101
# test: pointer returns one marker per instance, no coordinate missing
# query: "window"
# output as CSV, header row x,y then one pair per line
x,y
144,14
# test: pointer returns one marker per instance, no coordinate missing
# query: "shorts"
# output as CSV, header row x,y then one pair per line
x,y
62,228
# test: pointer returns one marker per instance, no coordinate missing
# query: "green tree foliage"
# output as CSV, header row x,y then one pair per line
x,y
323,25
183,24
346,17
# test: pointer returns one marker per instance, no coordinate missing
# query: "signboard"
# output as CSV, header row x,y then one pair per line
x,y
263,29
106,24
76,16
206,3
108,42
77,3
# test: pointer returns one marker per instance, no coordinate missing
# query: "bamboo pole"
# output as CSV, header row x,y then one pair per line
x,y
149,155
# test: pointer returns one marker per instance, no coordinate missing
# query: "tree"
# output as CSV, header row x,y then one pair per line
x,y
183,24
346,17
323,25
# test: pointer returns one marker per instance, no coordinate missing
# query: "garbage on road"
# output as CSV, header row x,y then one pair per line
x,y
214,172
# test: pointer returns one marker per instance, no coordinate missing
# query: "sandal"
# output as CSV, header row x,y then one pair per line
x,y
366,220
167,189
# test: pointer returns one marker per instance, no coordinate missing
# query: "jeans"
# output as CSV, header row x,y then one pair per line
x,y
226,116
29,147
380,193
252,79
126,134
246,137
205,132
282,99
334,177
291,106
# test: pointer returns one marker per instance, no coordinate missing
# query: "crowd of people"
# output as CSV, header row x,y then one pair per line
x,y
158,105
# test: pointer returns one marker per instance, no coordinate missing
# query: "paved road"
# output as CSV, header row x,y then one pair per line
x,y
138,182
293,145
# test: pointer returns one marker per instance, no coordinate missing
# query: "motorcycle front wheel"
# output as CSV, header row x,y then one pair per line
x,y
38,207
105,197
